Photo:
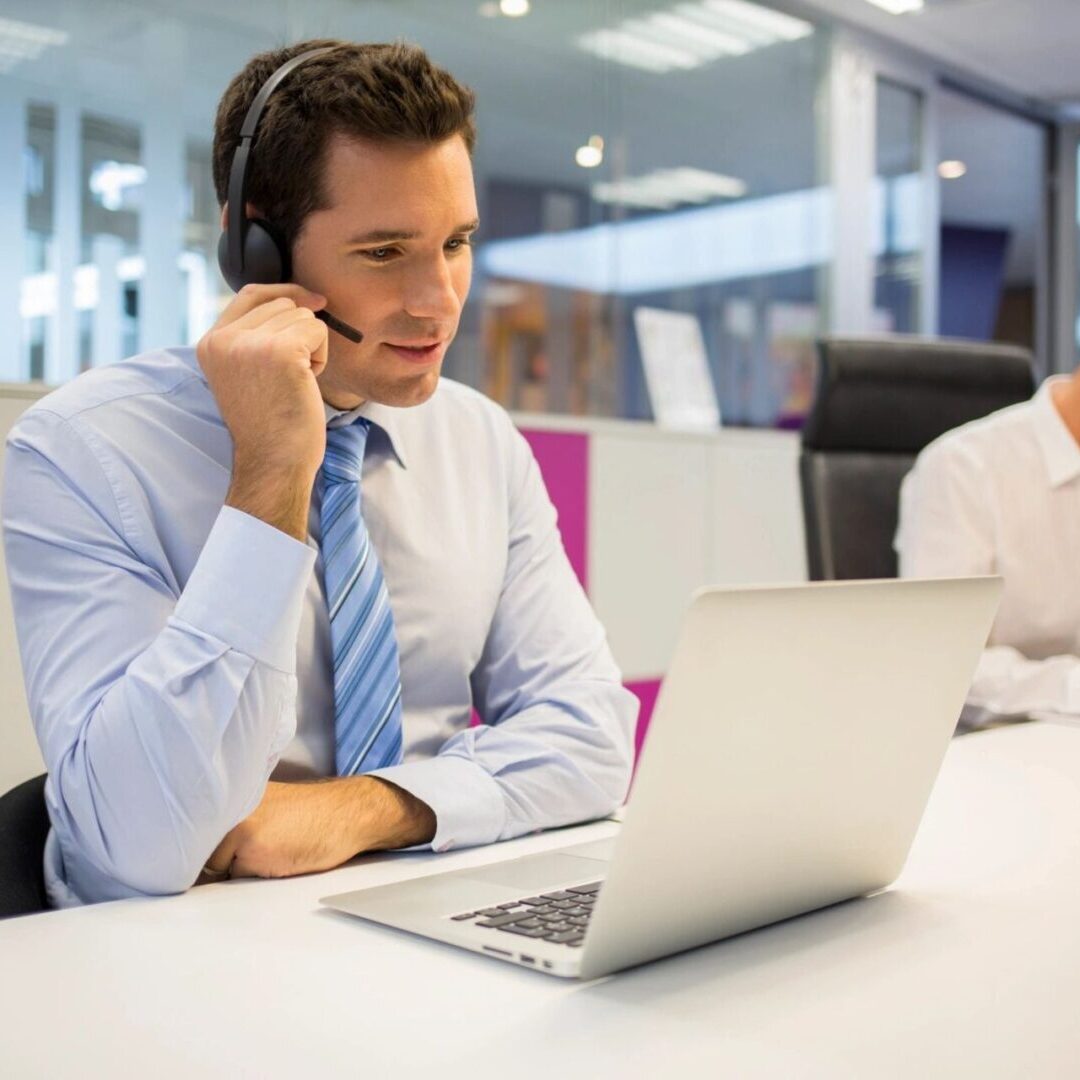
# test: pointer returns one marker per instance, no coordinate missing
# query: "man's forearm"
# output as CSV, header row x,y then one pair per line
x,y
387,816
305,828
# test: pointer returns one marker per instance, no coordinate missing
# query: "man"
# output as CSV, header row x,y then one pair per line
x,y
204,708
1001,495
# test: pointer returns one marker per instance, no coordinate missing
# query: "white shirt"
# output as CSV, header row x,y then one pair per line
x,y
177,651
1001,495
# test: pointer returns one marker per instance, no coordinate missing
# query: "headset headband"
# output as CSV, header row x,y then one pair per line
x,y
236,201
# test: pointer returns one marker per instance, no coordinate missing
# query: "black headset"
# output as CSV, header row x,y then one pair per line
x,y
253,250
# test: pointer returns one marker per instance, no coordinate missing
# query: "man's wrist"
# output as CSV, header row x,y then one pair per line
x,y
388,816
281,498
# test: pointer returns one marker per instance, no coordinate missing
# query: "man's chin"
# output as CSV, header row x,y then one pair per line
x,y
403,392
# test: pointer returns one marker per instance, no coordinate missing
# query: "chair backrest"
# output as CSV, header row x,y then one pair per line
x,y
24,825
879,401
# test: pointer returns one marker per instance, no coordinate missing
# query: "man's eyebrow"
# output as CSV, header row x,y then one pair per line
x,y
388,236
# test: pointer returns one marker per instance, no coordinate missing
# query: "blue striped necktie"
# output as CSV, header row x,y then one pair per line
x,y
367,676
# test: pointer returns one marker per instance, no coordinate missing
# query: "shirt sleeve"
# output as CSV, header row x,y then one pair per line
x,y
946,526
947,529
556,744
160,712
1007,683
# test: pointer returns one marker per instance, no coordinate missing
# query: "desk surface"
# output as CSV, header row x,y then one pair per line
x,y
970,966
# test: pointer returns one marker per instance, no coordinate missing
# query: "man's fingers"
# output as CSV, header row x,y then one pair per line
x,y
261,315
298,326
319,356
240,869
219,865
251,297
283,320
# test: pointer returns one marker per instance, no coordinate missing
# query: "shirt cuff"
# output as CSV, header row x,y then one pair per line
x,y
465,799
247,588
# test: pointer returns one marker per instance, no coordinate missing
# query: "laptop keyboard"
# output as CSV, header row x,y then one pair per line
x,y
561,917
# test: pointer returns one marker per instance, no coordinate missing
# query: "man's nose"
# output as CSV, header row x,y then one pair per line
x,y
431,293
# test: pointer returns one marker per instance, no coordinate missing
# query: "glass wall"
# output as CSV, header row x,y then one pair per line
x,y
39,284
111,262
703,200
993,221
898,154
632,154
204,291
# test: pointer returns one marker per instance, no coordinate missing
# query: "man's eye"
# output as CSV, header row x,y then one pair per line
x,y
378,254
459,242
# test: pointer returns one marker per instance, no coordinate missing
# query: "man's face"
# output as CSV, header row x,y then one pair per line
x,y
391,255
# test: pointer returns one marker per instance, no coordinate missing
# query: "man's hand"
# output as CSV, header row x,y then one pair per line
x,y
261,360
307,828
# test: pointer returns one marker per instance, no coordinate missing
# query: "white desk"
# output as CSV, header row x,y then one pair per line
x,y
970,967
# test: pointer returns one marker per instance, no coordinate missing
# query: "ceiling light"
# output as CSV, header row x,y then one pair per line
x,y
664,189
715,33
591,154
21,41
706,19
776,24
691,34
898,7
623,47
951,170
514,9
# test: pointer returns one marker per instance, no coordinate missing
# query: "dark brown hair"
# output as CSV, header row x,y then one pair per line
x,y
386,93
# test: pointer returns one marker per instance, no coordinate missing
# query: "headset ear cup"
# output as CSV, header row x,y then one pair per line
x,y
233,278
266,255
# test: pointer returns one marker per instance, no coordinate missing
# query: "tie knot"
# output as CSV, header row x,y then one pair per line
x,y
345,452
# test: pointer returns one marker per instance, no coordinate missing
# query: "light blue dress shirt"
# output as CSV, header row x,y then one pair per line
x,y
177,652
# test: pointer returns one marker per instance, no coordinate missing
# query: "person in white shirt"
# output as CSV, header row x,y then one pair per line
x,y
1001,495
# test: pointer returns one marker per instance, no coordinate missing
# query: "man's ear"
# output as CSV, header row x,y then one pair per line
x,y
251,213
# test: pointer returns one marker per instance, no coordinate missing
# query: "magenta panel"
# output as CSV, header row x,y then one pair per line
x,y
646,691
563,457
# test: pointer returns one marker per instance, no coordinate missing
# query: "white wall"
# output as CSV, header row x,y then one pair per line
x,y
671,512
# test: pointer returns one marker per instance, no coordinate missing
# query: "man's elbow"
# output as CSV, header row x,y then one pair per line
x,y
155,876
137,849
113,867
616,765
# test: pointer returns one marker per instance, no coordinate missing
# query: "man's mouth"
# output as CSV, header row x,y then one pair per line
x,y
418,352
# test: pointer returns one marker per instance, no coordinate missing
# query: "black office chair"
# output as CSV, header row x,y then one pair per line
x,y
24,824
879,402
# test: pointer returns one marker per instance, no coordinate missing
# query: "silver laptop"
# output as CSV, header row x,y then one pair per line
x,y
795,741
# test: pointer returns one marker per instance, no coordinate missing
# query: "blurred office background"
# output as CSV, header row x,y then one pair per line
x,y
779,170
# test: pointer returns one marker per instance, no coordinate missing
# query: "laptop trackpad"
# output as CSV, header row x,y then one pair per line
x,y
540,871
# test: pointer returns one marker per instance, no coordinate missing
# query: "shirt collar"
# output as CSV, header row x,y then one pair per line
x,y
382,417
1059,449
